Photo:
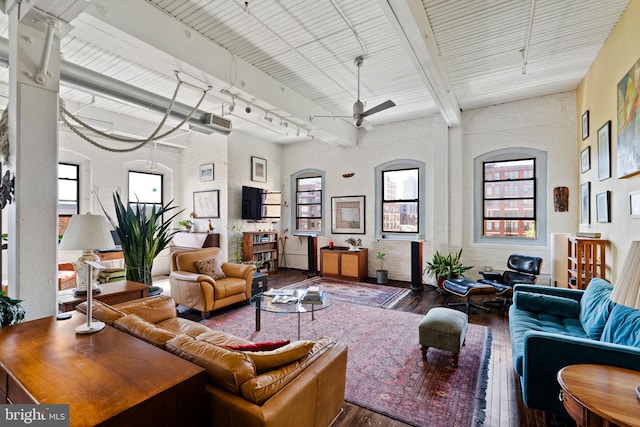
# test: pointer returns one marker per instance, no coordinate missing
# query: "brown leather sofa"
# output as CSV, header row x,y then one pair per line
x,y
202,292
301,384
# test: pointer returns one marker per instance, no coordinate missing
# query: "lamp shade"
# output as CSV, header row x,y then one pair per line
x,y
627,288
87,232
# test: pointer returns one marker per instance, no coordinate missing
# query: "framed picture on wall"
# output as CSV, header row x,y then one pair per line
x,y
604,151
585,204
585,160
206,172
258,169
634,204
347,215
585,125
603,206
206,204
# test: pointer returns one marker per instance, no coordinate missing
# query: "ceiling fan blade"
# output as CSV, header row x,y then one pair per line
x,y
387,104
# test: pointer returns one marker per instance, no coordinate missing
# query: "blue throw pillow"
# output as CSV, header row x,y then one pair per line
x,y
550,304
595,307
623,327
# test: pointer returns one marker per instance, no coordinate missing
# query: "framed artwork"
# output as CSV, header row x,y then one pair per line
x,y
628,148
634,204
585,204
604,151
206,204
603,206
206,172
258,169
585,160
347,215
585,125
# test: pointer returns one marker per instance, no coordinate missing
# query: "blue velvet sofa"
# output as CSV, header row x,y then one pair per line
x,y
555,327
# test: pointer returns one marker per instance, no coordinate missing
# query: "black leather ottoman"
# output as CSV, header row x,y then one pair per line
x,y
465,288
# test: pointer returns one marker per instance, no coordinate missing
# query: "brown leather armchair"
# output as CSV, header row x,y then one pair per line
x,y
202,292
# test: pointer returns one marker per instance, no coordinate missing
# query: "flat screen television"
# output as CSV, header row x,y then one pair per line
x,y
251,203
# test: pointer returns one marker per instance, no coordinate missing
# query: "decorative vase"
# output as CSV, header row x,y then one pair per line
x,y
353,248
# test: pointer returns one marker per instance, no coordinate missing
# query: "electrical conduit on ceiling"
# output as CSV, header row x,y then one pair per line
x,y
76,77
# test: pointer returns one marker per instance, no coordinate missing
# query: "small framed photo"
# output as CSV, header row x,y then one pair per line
x,y
603,206
585,125
634,204
206,172
258,169
206,204
585,160
347,215
585,204
604,151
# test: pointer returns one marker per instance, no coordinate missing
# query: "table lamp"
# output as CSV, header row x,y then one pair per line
x,y
87,233
627,289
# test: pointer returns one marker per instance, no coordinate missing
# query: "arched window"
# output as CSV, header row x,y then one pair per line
x,y
400,199
510,197
307,209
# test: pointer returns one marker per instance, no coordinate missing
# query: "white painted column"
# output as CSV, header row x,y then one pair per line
x,y
33,139
440,187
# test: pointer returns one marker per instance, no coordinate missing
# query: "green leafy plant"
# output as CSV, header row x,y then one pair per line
x,y
236,242
11,312
446,266
187,223
142,236
380,256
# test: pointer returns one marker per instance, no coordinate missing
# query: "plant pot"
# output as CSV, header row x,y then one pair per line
x,y
139,274
353,248
154,290
382,277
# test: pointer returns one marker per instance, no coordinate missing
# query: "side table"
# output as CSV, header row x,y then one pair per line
x,y
260,283
599,395
111,293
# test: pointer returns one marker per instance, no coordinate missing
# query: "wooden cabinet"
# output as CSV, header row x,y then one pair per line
x,y
345,264
586,260
261,246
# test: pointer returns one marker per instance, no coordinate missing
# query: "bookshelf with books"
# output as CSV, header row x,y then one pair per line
x,y
261,247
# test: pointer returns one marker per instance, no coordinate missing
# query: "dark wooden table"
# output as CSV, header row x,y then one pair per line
x,y
598,395
108,378
111,293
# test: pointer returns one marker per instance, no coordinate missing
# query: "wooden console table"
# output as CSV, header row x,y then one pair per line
x,y
112,293
598,395
108,378
345,264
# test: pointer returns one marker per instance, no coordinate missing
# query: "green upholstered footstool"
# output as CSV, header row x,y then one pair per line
x,y
443,328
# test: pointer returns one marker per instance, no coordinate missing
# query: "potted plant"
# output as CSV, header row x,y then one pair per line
x,y
186,223
11,312
142,236
444,267
354,244
381,274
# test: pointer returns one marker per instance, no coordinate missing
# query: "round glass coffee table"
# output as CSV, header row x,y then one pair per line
x,y
264,301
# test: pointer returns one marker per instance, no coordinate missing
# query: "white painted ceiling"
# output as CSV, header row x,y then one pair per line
x,y
293,60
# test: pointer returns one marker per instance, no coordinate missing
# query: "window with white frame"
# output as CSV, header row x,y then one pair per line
x,y
308,206
399,208
510,202
68,189
145,190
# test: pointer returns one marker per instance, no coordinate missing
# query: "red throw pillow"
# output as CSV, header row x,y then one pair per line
x,y
258,346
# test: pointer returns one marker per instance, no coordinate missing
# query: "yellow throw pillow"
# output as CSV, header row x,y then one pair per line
x,y
211,267
268,360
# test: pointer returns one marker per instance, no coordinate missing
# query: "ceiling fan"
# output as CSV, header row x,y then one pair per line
x,y
358,107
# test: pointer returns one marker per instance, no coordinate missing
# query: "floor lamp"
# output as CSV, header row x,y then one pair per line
x,y
87,233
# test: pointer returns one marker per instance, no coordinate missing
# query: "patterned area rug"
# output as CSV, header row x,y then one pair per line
x,y
355,292
386,372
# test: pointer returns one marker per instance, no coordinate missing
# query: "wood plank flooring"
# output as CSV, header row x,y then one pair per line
x,y
504,398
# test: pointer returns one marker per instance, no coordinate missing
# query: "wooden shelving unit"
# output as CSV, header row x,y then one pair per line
x,y
261,246
586,260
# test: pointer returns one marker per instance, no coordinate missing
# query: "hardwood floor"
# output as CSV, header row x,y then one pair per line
x,y
504,398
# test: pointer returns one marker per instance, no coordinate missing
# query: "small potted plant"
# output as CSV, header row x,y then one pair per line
x,y
354,244
444,267
381,274
186,223
11,312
